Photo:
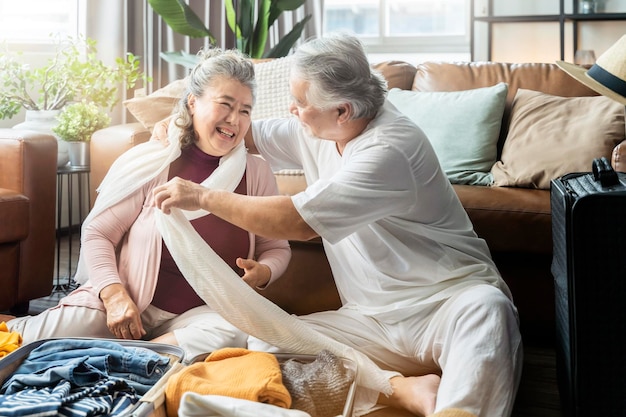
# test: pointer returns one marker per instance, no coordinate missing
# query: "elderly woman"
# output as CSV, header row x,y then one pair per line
x,y
134,288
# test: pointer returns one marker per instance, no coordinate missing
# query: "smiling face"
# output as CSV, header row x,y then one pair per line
x,y
221,116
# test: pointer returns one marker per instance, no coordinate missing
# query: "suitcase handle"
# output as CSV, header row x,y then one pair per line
x,y
603,172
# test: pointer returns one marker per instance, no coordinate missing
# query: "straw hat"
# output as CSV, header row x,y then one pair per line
x,y
607,76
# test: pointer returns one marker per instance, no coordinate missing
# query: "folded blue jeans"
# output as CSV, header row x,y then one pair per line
x,y
85,361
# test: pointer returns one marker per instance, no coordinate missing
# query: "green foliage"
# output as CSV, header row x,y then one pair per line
x,y
73,74
179,16
250,21
78,121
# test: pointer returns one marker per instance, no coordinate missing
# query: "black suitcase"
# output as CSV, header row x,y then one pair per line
x,y
589,269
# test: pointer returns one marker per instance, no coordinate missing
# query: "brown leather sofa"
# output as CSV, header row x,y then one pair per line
x,y
28,163
515,222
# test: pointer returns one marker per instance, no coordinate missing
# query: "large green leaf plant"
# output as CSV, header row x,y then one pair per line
x,y
249,20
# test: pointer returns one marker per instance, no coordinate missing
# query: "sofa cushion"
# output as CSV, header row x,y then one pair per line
x,y
509,219
157,106
550,136
14,212
463,127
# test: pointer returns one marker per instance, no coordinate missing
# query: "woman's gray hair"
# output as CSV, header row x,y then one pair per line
x,y
214,63
338,71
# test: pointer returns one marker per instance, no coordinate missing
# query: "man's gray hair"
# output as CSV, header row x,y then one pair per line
x,y
338,71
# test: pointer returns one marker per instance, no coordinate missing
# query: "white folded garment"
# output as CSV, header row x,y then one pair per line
x,y
198,405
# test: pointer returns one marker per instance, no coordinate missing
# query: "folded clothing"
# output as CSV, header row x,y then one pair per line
x,y
72,377
196,405
231,372
85,361
9,341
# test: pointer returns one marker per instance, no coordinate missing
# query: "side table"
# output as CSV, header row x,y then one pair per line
x,y
66,175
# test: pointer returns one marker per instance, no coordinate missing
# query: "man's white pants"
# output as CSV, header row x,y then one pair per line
x,y
471,339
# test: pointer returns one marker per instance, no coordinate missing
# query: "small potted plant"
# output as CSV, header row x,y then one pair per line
x,y
75,125
73,74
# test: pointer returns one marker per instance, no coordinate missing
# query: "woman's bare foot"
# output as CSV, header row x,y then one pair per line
x,y
417,394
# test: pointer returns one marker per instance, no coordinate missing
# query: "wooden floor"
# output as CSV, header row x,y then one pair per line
x,y
537,396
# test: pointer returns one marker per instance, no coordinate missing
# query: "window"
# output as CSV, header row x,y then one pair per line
x,y
33,21
403,26
26,27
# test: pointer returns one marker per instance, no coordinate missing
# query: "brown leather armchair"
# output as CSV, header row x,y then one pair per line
x,y
27,217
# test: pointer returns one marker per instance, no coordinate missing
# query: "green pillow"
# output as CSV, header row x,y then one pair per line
x,y
462,126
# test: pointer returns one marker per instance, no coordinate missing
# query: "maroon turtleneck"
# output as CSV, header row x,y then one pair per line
x,y
173,293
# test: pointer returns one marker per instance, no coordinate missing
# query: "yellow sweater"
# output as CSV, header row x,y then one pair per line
x,y
232,372
9,341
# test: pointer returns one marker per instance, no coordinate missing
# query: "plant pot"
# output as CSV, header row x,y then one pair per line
x,y
43,121
78,154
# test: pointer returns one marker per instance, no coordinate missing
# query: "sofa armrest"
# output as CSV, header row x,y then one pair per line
x,y
618,159
15,216
107,145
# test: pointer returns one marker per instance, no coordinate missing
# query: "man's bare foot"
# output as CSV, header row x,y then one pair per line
x,y
417,394
6,317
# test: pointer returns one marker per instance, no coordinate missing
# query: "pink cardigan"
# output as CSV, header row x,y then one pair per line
x,y
122,244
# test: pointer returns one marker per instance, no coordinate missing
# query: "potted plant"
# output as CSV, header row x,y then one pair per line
x,y
73,74
75,125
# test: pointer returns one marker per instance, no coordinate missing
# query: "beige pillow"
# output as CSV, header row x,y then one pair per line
x,y
550,136
155,107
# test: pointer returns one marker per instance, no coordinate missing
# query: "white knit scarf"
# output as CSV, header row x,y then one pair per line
x,y
212,279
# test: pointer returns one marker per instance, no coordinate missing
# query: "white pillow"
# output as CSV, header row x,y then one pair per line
x,y
273,96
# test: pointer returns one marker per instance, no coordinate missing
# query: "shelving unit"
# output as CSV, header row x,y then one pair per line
x,y
561,19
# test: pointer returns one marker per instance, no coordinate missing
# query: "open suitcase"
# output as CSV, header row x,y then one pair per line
x,y
589,269
149,402
152,403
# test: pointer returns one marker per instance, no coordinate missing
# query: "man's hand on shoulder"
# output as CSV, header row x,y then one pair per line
x,y
159,132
